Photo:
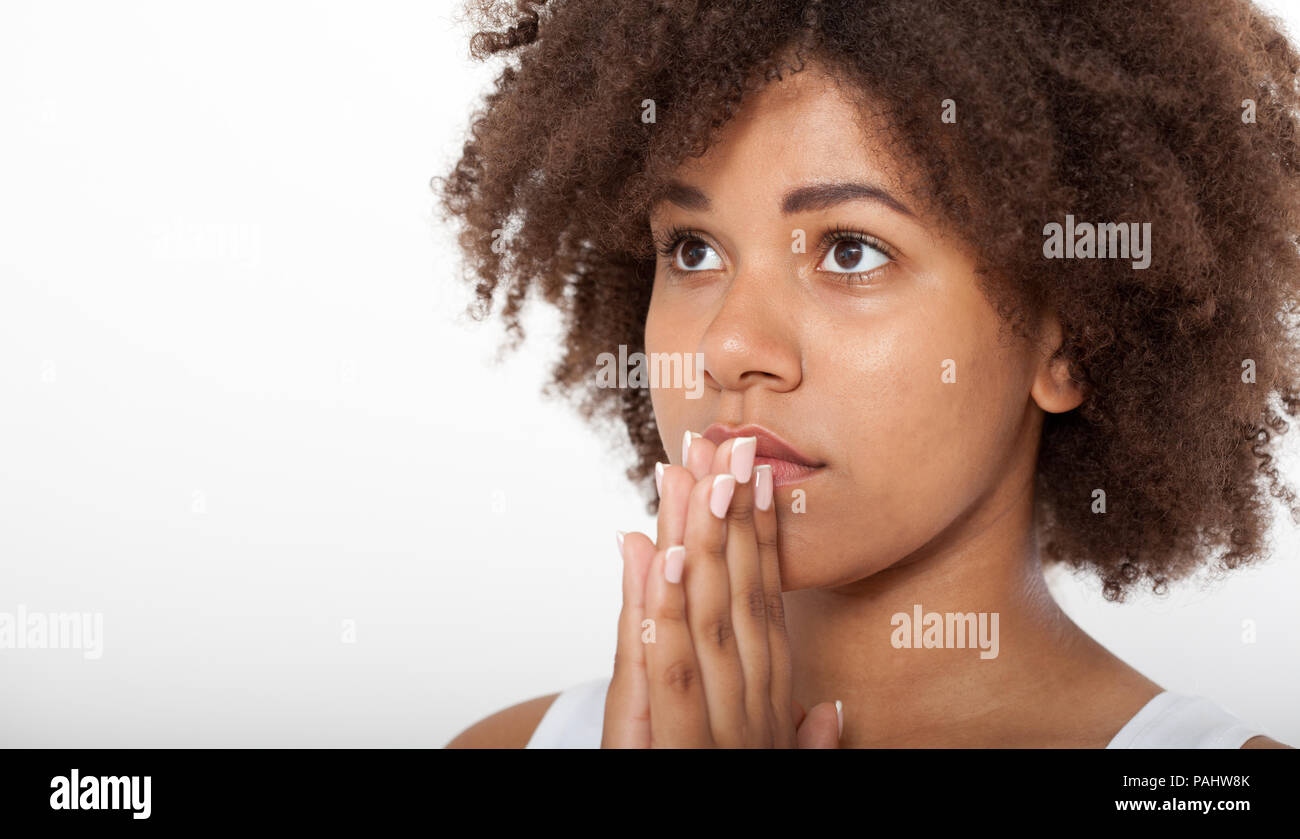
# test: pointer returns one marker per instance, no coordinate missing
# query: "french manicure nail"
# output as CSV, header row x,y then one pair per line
x,y
620,534
686,447
743,450
724,486
839,715
659,478
763,486
673,562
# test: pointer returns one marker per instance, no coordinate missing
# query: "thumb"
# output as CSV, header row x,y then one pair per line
x,y
821,728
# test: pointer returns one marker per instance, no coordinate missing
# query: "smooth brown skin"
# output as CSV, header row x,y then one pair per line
x,y
927,492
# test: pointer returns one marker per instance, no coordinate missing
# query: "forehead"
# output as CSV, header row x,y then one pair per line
x,y
808,127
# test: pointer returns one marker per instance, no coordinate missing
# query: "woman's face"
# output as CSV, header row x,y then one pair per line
x,y
876,356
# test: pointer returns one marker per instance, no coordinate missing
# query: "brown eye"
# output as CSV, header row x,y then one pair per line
x,y
852,256
696,255
847,255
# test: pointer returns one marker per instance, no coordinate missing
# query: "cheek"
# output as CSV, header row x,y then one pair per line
x,y
932,404
669,331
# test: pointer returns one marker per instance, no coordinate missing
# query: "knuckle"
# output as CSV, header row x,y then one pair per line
x,y
742,526
756,603
766,538
718,630
775,609
680,677
741,509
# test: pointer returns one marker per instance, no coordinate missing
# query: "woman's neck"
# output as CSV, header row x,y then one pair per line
x,y
859,642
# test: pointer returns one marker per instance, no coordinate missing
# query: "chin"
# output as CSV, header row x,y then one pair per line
x,y
809,559
815,554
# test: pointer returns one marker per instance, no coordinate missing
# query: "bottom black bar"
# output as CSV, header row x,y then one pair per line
x,y
136,789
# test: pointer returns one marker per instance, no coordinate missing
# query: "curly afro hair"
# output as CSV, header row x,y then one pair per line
x,y
1104,109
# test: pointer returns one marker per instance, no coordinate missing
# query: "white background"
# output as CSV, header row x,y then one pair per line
x,y
240,405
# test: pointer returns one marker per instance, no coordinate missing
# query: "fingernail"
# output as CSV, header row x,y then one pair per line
x,y
673,562
742,457
839,714
620,534
659,478
686,445
724,486
763,486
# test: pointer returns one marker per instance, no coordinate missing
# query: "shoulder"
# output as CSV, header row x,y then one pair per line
x,y
571,719
509,728
1154,717
1175,720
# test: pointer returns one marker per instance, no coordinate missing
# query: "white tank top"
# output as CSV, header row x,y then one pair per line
x,y
1169,721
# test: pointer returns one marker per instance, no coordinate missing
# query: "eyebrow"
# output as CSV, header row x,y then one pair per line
x,y
686,197
800,200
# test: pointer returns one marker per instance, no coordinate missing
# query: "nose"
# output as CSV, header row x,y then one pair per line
x,y
753,338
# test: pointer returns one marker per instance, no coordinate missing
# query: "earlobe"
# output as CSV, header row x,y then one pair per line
x,y
1053,389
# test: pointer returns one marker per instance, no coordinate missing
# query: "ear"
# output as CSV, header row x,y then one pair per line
x,y
1053,390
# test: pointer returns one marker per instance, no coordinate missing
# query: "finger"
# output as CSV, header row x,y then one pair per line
x,y
748,599
697,454
627,704
821,728
769,561
709,611
675,487
679,716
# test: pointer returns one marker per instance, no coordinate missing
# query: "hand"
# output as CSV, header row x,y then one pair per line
x,y
717,672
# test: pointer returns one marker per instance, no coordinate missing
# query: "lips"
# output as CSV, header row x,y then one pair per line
x,y
789,465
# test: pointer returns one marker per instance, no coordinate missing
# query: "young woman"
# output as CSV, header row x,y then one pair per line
x,y
976,287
